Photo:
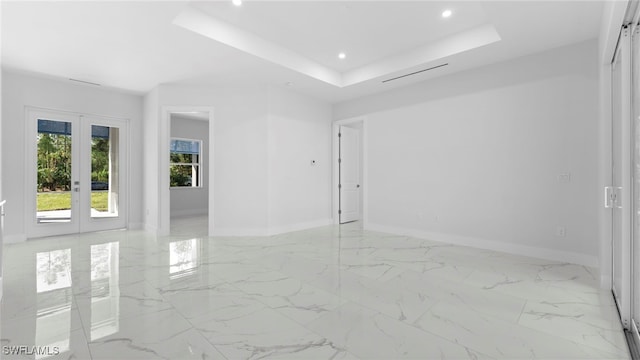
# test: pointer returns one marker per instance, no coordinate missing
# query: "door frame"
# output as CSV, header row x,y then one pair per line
x,y
32,229
624,298
335,191
100,224
164,190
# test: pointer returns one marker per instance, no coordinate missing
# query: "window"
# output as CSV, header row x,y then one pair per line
x,y
185,163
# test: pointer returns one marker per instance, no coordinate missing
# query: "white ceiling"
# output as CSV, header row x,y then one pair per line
x,y
321,30
136,45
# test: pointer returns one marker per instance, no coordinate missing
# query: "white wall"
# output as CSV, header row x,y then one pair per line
x,y
1,197
239,196
299,131
20,90
475,157
189,201
263,141
150,142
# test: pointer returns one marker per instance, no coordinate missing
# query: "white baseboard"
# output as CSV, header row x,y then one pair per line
x,y
299,226
150,229
14,239
240,232
0,287
605,281
188,212
136,226
272,230
516,249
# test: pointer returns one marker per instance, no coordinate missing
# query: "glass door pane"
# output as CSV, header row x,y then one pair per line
x,y
54,187
52,153
105,164
103,170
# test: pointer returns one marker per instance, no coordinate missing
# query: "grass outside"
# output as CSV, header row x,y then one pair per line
x,y
48,201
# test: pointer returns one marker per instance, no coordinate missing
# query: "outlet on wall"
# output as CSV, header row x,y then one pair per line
x,y
561,231
564,178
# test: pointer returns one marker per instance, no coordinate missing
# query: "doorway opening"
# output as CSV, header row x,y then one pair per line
x,y
189,169
349,195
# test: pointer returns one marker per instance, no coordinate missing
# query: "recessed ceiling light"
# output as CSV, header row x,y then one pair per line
x,y
342,55
237,2
447,13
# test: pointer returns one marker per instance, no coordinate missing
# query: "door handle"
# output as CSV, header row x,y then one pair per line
x,y
358,185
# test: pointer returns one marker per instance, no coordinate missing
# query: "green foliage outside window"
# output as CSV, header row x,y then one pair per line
x,y
54,161
184,170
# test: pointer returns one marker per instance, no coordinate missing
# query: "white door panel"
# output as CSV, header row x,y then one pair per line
x,y
621,178
635,93
52,208
349,174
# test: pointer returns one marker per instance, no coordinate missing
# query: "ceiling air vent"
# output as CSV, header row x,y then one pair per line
x,y
414,73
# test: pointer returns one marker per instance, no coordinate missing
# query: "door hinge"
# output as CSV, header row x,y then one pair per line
x,y
339,186
339,212
339,161
339,134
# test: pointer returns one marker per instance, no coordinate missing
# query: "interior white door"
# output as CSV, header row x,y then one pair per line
x,y
621,178
76,173
349,168
635,90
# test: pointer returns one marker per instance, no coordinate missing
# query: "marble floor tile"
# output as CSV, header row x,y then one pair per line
x,y
334,292
590,325
188,344
371,335
265,333
291,297
501,339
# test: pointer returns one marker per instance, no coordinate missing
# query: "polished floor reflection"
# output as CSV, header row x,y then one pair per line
x,y
327,293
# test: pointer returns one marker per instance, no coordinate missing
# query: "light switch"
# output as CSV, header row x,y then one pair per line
x,y
564,178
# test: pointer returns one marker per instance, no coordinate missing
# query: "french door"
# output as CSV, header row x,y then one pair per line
x,y
76,173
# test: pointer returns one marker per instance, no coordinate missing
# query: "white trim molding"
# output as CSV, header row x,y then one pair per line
x,y
298,227
271,231
14,239
164,191
335,199
514,249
